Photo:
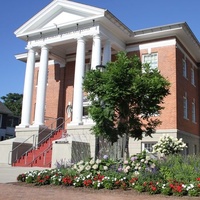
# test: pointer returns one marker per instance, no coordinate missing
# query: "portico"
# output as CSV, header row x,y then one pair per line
x,y
64,40
44,50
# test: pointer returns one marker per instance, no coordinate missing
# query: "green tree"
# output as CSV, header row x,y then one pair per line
x,y
125,98
13,101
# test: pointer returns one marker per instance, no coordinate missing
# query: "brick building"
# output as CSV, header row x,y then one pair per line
x,y
66,38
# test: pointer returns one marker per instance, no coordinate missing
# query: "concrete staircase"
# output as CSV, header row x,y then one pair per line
x,y
41,156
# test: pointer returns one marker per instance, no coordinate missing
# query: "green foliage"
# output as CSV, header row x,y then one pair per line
x,y
125,97
181,168
13,101
167,177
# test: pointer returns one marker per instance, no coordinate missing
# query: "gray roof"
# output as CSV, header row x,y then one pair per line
x,y
4,109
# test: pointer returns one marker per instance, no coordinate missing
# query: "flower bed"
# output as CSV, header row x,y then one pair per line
x,y
171,175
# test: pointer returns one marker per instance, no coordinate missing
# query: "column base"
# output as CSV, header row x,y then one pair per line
x,y
23,126
75,123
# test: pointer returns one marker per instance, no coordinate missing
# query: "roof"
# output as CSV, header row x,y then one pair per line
x,y
59,22
4,109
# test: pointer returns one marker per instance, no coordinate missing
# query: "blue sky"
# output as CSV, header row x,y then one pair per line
x,y
135,14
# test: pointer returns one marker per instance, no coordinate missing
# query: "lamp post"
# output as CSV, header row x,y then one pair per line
x,y
97,145
100,67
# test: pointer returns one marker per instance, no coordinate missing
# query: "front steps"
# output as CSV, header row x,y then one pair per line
x,y
40,157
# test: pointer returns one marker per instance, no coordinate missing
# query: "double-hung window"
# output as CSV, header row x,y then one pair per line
x,y
151,59
193,111
184,67
148,146
185,106
192,76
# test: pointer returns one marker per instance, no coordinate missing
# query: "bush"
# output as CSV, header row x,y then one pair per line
x,y
168,145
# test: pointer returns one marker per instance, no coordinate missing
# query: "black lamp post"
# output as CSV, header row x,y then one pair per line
x,y
100,67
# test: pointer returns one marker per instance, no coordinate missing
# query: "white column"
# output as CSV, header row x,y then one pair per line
x,y
28,89
96,51
78,81
41,86
106,53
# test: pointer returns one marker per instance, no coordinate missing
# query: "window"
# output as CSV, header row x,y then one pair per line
x,y
195,149
193,111
148,146
184,68
1,120
86,105
192,77
185,107
151,59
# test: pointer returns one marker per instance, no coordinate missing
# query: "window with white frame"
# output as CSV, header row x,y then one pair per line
x,y
148,146
185,107
192,76
193,111
184,67
1,116
86,105
151,59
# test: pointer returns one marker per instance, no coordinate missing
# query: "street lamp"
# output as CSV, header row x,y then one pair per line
x,y
100,67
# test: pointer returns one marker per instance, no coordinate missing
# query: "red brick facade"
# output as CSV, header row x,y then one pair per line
x,y
170,63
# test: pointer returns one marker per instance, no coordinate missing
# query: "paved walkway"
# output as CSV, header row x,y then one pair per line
x,y
9,174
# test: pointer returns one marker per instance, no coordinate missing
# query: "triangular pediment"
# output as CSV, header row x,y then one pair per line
x,y
59,13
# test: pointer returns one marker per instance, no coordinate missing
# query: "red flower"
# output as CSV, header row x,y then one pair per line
x,y
117,183
87,183
67,180
133,180
153,188
198,179
99,177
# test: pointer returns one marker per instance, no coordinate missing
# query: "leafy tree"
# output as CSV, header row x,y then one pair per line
x,y
125,98
13,101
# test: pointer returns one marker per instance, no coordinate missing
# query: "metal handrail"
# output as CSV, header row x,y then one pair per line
x,y
18,147
42,141
49,147
34,140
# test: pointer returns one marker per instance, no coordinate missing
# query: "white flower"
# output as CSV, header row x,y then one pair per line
x,y
88,167
126,162
153,165
105,168
98,161
80,163
95,166
92,162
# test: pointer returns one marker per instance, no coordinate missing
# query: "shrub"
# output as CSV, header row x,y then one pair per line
x,y
168,145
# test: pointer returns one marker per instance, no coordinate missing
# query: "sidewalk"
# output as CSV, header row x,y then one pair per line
x,y
9,174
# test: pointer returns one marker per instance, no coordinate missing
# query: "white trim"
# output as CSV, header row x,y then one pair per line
x,y
50,62
150,45
185,55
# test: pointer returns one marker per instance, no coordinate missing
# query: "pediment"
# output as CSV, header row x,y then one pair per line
x,y
58,13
